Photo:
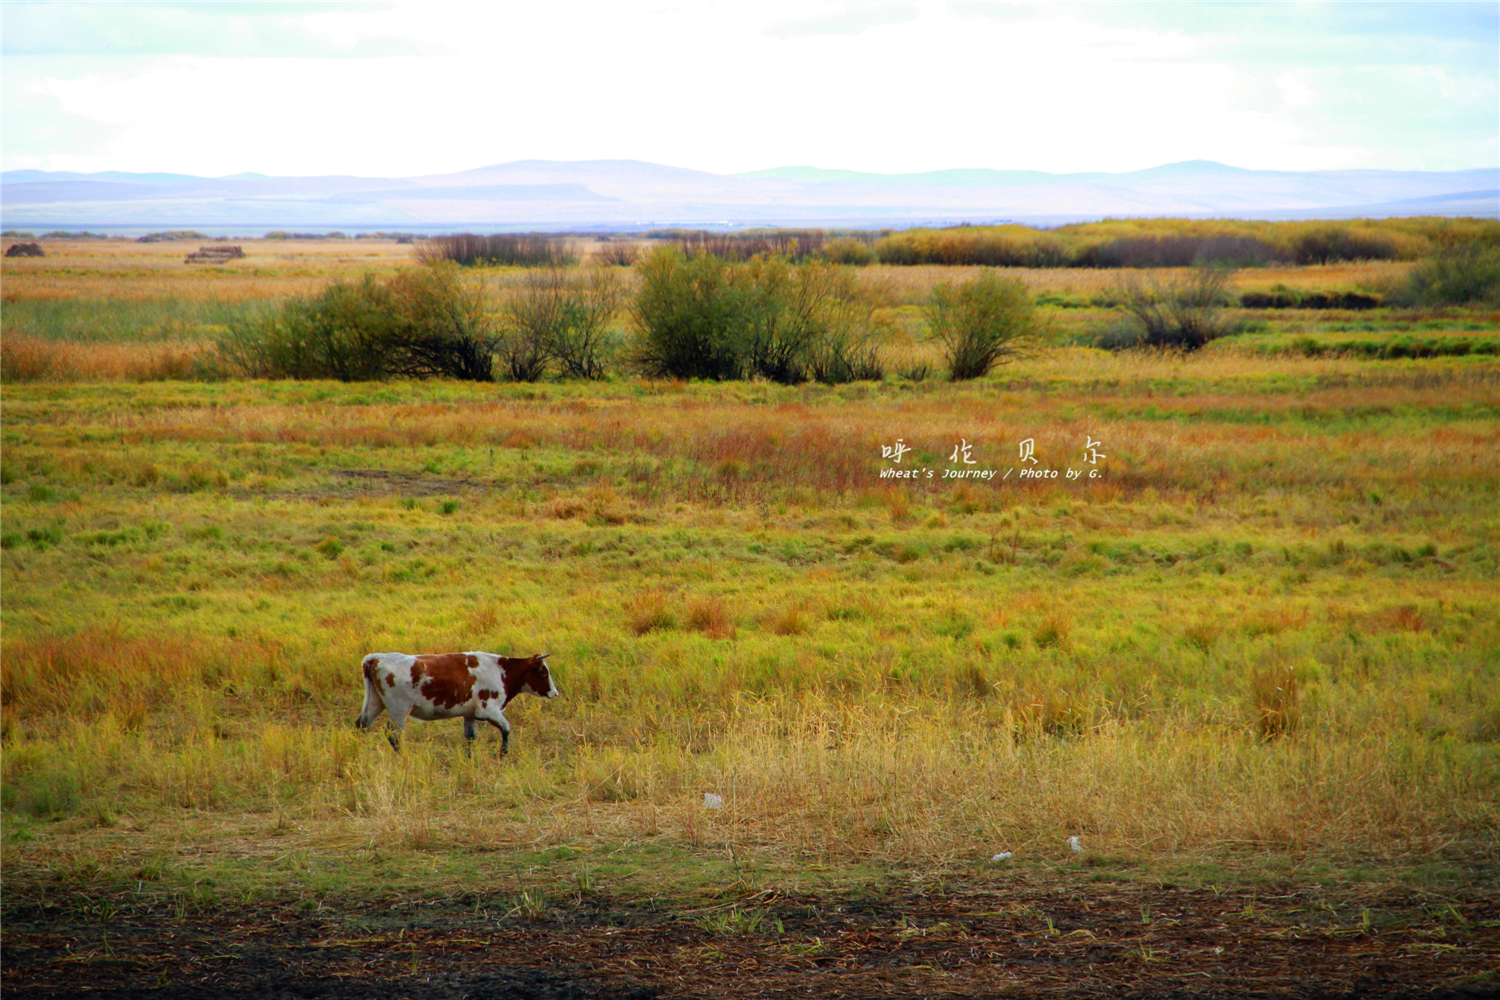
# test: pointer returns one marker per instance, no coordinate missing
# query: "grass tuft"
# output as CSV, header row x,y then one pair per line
x,y
1277,699
648,612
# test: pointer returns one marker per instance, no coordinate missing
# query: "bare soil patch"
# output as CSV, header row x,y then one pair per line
x,y
1015,938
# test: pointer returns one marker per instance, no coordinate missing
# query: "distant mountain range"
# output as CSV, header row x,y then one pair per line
x,y
630,194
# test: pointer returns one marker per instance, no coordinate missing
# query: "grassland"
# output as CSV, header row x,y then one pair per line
x,y
1260,650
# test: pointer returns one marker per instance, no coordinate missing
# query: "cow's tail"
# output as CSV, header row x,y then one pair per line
x,y
374,704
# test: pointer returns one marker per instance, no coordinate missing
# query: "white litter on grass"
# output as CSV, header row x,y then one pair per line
x,y
1074,845
1001,856
712,801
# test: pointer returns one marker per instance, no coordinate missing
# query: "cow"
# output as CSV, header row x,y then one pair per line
x,y
475,687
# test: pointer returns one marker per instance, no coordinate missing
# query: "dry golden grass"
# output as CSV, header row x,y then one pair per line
x,y
710,616
32,359
804,778
1278,701
116,269
1371,274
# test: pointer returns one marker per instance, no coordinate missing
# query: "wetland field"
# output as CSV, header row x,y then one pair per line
x,y
821,729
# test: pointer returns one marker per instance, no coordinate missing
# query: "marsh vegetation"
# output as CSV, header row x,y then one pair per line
x,y
1260,647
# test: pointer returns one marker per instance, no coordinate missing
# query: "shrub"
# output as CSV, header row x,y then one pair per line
x,y
336,334
701,316
800,322
986,246
835,360
981,323
842,348
439,328
848,250
420,324
559,318
792,244
1330,244
618,254
1183,315
1459,275
686,318
1179,250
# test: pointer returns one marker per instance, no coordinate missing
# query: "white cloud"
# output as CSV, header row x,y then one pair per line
x,y
408,88
1294,90
844,19
206,29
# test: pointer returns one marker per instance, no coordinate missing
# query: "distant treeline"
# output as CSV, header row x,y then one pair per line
x,y
56,234
277,234
1113,243
1183,242
1110,244
794,244
174,235
513,249
1121,243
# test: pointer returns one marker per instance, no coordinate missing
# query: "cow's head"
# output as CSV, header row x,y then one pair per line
x,y
537,678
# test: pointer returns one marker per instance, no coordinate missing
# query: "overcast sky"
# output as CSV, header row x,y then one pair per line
x,y
402,89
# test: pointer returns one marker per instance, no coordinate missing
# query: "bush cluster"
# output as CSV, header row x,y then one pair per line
x,y
1180,314
1178,250
1459,275
792,244
701,316
422,323
989,246
559,321
617,254
1331,244
850,250
499,249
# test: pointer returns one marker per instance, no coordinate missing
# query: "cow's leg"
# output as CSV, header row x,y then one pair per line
x,y
504,734
398,726
497,718
471,729
373,706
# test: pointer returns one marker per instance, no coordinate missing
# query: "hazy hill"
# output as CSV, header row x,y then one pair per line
x,y
548,194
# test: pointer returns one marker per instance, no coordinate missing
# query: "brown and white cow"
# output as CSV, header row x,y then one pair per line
x,y
475,687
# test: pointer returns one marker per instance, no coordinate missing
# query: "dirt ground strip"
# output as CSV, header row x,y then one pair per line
x,y
1010,940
